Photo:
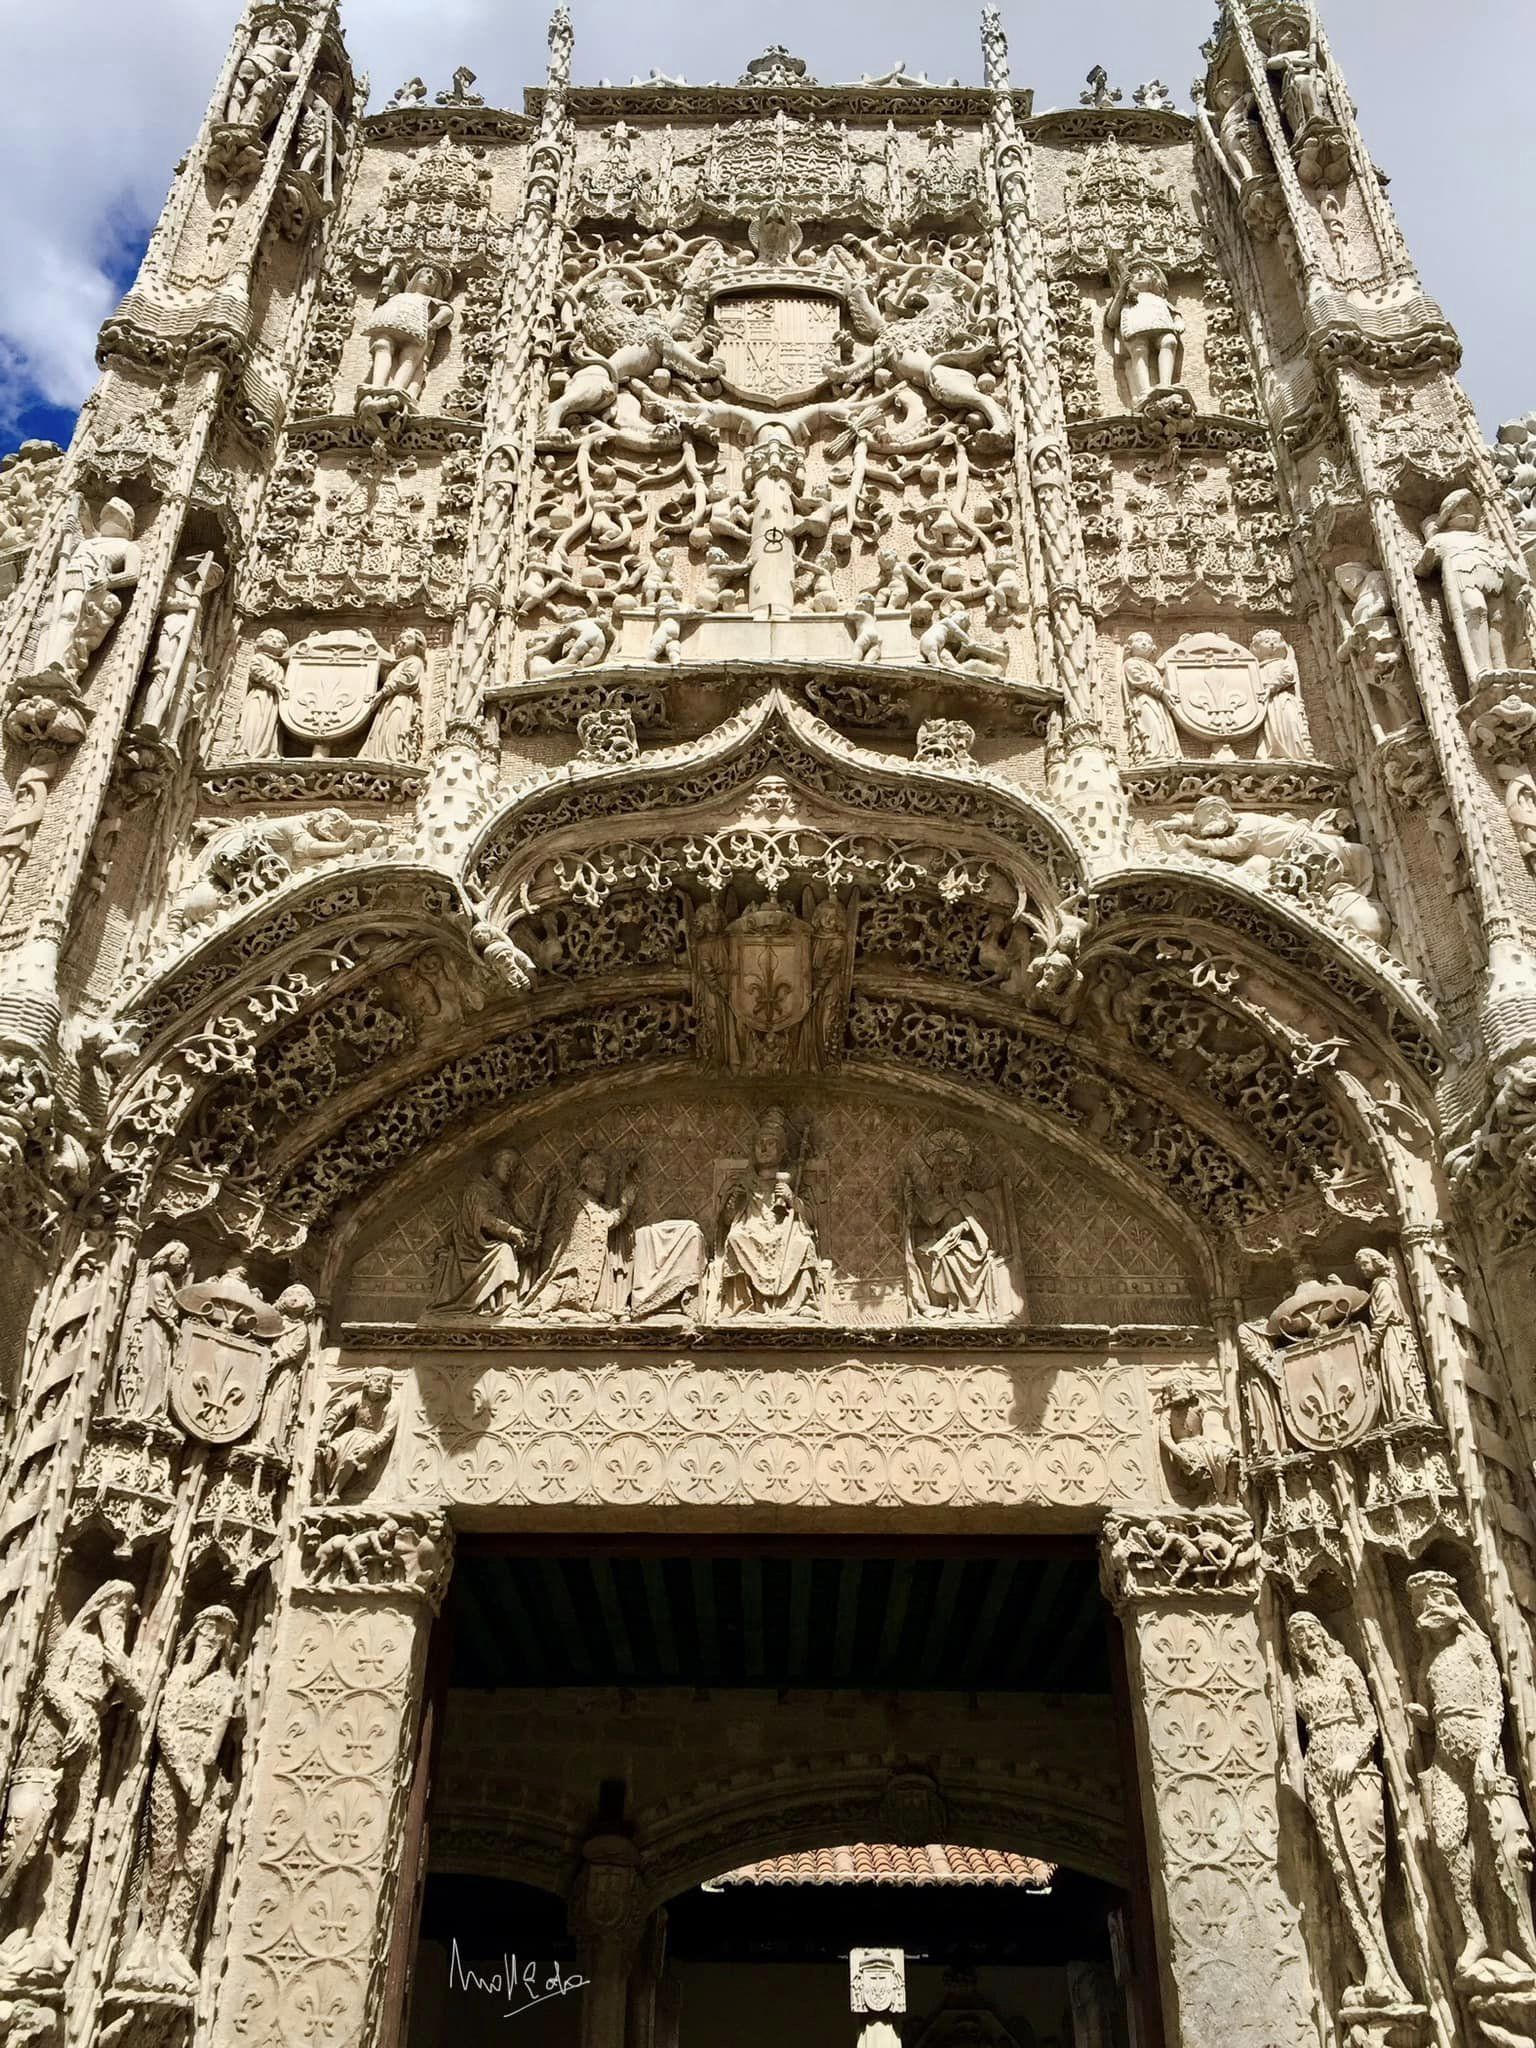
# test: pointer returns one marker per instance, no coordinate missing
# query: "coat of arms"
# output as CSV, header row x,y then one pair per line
x,y
774,346
1327,1388
771,986
219,1372
330,686
1213,686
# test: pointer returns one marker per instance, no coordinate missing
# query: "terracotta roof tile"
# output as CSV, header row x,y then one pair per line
x,y
892,1863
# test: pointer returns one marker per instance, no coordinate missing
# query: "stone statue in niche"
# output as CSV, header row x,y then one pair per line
x,y
319,140
263,688
1289,856
50,1815
1477,1823
1394,1351
489,1253
1482,586
142,1384
1374,646
98,563
1153,734
1197,1452
29,801
1238,132
1146,334
769,1262
395,734
176,664
1318,144
1343,1791
1284,735
290,1354
958,1234
188,1803
264,77
402,333
356,1436
772,987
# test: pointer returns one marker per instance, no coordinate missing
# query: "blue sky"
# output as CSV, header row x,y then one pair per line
x,y
112,94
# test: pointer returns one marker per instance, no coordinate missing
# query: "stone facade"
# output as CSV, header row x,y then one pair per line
x,y
787,808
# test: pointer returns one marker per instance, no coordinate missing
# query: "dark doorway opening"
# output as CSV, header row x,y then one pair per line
x,y
625,1679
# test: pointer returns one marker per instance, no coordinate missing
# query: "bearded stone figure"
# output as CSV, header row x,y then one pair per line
x,y
50,1816
1479,1827
188,1801
1344,1797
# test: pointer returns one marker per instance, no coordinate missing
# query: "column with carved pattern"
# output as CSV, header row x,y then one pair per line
x,y
311,1921
1233,1968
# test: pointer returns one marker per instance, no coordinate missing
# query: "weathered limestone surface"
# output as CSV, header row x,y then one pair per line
x,y
780,808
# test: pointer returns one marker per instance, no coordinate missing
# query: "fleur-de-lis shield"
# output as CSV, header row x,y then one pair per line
x,y
769,987
1327,1388
216,1382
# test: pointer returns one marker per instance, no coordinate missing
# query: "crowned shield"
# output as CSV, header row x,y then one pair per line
x,y
1328,1390
330,686
774,346
1213,686
769,983
216,1382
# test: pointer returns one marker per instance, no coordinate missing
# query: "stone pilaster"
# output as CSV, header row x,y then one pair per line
x,y
310,1922
1234,1972
607,1922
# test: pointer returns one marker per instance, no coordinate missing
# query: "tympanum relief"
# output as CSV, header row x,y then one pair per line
x,y
740,1213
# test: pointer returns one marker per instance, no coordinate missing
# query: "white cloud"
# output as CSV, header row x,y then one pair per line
x,y
109,93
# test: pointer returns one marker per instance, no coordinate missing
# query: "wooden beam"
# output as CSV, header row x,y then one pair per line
x,y
706,1621
755,1640
845,1629
607,1585
659,1607
897,1601
568,1623
940,1619
799,1619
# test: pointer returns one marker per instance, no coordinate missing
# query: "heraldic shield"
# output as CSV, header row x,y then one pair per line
x,y
330,686
768,984
216,1382
1214,686
1328,1388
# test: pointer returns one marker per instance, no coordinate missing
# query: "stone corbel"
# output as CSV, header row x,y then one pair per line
x,y
406,1553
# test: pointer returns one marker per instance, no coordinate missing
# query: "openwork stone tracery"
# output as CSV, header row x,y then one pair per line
x,y
735,807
